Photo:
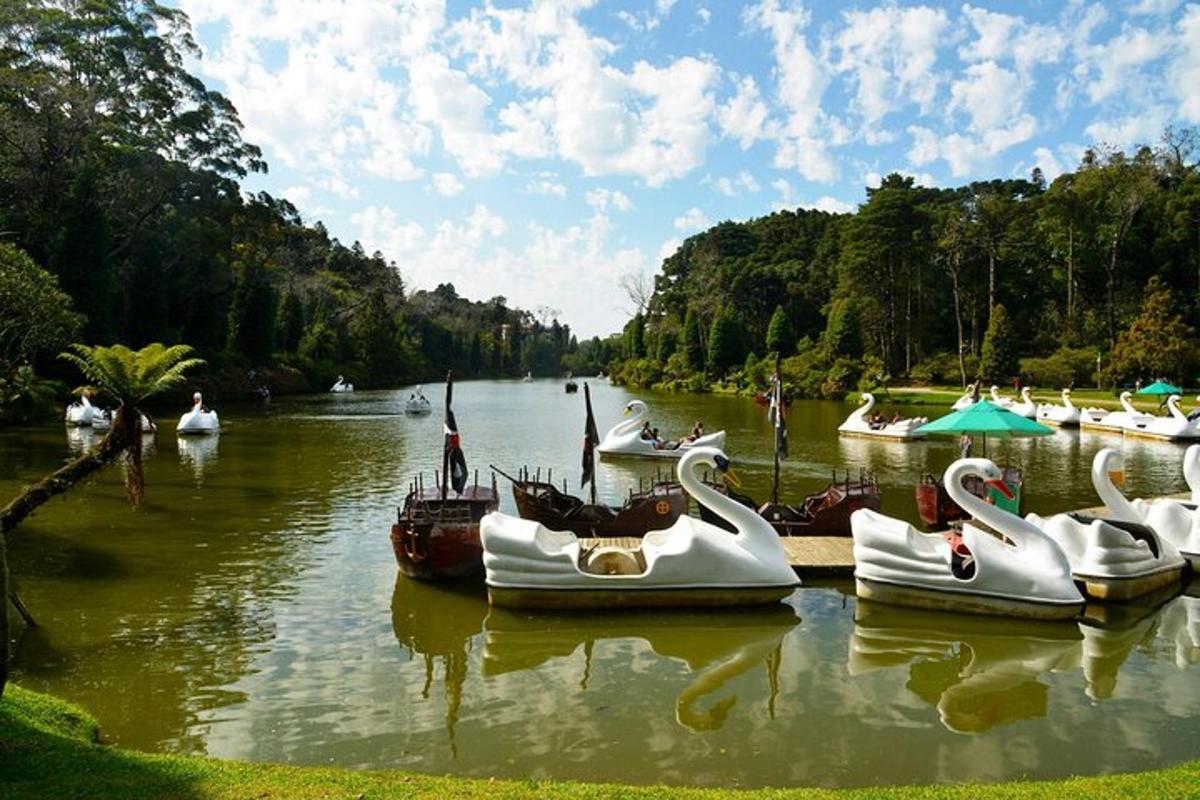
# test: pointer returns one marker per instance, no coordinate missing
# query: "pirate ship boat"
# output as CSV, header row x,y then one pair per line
x,y
436,535
646,510
825,513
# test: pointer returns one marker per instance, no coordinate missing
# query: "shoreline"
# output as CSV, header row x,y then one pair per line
x,y
52,749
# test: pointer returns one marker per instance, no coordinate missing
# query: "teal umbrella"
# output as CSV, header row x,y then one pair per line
x,y
1161,387
985,418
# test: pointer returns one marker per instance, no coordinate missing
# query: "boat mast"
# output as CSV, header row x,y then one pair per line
x,y
777,389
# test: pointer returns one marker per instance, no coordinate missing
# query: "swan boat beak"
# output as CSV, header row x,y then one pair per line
x,y
1001,487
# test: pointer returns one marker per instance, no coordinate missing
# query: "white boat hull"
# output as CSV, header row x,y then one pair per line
x,y
664,597
964,602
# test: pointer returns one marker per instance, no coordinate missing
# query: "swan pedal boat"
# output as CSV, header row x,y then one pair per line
x,y
1026,408
856,424
82,413
967,400
198,421
692,563
1176,520
341,386
1065,416
1001,565
625,438
1102,419
418,404
1174,427
1115,558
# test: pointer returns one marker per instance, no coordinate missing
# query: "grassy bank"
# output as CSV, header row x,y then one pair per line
x,y
49,749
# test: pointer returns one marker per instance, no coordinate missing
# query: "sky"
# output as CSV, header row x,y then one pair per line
x,y
542,150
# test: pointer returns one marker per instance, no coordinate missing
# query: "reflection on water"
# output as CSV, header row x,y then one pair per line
x,y
198,452
251,609
715,647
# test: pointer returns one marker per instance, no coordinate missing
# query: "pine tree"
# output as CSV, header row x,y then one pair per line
x,y
843,336
690,341
252,315
998,360
291,323
666,345
723,349
1158,344
376,340
781,337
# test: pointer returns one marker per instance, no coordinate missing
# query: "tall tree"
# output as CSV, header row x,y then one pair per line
x,y
998,362
781,337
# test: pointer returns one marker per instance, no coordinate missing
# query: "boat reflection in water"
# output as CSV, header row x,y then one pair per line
x,y
980,672
198,452
715,647
445,636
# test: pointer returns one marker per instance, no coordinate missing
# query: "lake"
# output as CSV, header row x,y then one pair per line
x,y
252,610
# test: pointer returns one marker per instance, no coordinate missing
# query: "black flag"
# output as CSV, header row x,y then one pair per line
x,y
454,463
590,440
778,416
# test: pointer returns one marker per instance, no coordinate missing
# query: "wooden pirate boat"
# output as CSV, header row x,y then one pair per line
x,y
824,513
937,510
646,510
436,535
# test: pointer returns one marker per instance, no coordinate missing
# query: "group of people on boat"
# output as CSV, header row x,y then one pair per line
x,y
650,434
878,421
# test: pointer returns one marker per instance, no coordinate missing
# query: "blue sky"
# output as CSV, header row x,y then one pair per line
x,y
544,150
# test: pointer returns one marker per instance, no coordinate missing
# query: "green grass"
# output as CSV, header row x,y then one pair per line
x,y
945,395
49,749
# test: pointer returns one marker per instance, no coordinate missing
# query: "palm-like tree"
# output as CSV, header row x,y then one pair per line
x,y
129,378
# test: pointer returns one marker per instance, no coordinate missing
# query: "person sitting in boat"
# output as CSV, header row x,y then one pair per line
x,y
648,434
896,418
697,431
876,421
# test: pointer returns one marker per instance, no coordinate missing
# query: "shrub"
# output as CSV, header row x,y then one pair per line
x,y
1065,367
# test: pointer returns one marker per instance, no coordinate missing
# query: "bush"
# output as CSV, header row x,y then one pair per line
x,y
942,368
843,376
1067,366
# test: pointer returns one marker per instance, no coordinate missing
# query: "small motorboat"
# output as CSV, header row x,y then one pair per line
x,y
1174,427
938,510
626,438
1117,557
1176,521
81,413
199,420
1101,419
692,563
969,398
436,535
418,404
902,430
999,565
1064,416
1026,408
341,386
643,511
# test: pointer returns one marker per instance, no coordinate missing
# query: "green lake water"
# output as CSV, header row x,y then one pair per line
x,y
252,610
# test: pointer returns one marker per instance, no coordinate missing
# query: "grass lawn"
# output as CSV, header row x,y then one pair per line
x,y
49,749
945,395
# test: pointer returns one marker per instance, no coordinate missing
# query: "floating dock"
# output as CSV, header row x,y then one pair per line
x,y
809,556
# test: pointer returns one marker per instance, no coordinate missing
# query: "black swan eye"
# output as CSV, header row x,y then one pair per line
x,y
722,463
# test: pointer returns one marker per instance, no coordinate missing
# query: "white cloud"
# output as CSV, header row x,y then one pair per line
x,y
989,94
1045,160
830,204
447,184
547,187
890,54
1149,7
601,199
1143,127
744,116
692,220
297,195
704,14
925,147
1117,63
733,186
785,192
1183,73
668,248
1001,37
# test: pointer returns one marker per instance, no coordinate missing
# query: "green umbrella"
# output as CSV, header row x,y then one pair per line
x,y
1161,387
987,419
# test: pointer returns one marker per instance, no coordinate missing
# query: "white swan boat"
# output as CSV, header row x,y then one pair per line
x,y
418,404
1026,408
1001,565
692,563
82,413
341,386
900,430
1006,403
198,420
1117,558
968,399
1174,427
1115,421
1176,521
1064,416
625,438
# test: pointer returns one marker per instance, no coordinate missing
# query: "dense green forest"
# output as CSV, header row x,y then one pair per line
x,y
122,220
996,280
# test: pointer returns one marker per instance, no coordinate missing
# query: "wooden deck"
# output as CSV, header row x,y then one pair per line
x,y
814,556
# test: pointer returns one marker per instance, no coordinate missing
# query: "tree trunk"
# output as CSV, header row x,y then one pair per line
x,y
1111,287
958,320
3,614
1071,277
991,282
107,451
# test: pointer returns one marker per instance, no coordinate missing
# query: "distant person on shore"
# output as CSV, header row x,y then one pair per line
x,y
964,445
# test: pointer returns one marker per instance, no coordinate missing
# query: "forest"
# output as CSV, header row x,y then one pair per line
x,y
1093,279
122,220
